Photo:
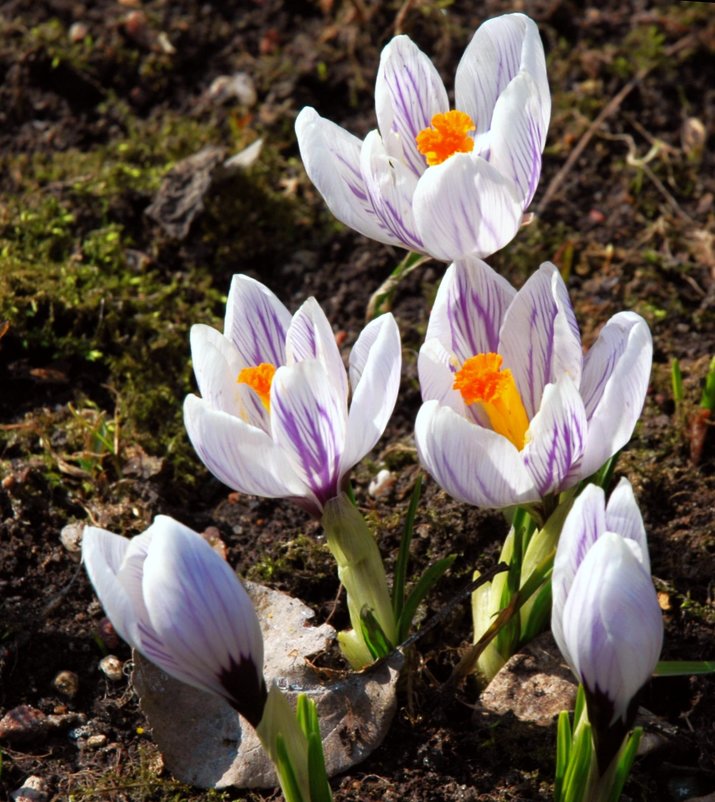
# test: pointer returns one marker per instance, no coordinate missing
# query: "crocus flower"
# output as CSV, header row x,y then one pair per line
x,y
605,615
513,411
443,182
172,598
273,418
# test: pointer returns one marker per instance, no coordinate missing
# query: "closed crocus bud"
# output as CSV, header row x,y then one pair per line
x,y
172,598
605,616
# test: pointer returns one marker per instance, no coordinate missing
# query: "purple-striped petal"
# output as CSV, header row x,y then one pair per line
x,y
517,135
331,157
199,609
390,186
241,456
464,206
256,322
624,517
469,308
472,464
408,93
311,336
612,623
309,420
555,438
584,524
614,386
375,377
540,341
499,50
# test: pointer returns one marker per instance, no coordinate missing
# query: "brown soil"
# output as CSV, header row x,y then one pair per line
x,y
629,222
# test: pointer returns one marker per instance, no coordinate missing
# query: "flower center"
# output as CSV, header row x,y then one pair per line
x,y
447,136
481,380
259,379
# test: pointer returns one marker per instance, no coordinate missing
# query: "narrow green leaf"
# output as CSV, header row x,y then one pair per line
x,y
681,668
398,585
373,634
286,775
676,381
707,399
579,767
317,776
563,750
623,765
423,586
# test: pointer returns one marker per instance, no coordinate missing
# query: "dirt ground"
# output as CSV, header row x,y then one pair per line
x,y
98,101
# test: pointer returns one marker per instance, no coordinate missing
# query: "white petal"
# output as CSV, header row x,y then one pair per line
x,y
390,185
256,322
309,420
612,622
198,608
217,366
472,464
311,336
331,157
408,93
469,308
540,341
464,206
556,437
103,553
517,135
239,455
584,524
624,517
375,377
614,386
499,50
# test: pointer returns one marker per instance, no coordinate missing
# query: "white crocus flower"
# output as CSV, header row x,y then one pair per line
x,y
273,418
446,183
172,598
605,617
513,411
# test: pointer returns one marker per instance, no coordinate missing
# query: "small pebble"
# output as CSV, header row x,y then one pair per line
x,y
23,723
71,538
66,683
96,741
77,32
108,634
112,668
381,484
34,789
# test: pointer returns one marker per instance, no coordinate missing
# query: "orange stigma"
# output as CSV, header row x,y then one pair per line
x,y
481,380
447,136
259,379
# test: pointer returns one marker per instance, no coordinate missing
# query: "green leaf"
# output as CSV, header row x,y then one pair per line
x,y
707,399
676,381
563,750
625,759
398,585
317,776
286,775
579,766
424,584
381,300
681,668
373,634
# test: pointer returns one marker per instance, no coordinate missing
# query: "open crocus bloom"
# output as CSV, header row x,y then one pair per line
x,y
605,616
513,410
171,597
443,182
273,417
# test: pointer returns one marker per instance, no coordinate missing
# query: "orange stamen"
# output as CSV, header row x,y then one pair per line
x,y
447,136
482,381
259,379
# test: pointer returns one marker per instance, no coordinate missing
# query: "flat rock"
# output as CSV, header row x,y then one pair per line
x,y
204,742
535,684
